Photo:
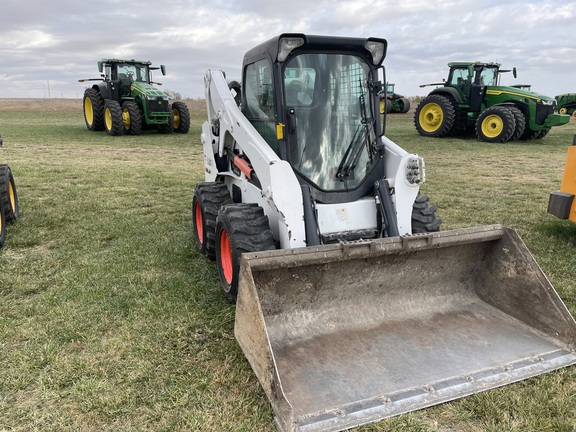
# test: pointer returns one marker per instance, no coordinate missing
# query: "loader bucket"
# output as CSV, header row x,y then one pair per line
x,y
343,335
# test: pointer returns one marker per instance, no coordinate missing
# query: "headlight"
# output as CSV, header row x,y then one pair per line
x,y
548,102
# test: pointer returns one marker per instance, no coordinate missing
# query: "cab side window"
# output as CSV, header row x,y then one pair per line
x,y
258,103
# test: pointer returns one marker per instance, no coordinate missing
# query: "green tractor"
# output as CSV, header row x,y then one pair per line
x,y
391,102
472,99
126,101
566,104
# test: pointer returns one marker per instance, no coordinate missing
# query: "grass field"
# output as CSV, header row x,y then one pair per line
x,y
111,321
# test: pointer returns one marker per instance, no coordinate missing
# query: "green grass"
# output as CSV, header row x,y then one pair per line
x,y
110,320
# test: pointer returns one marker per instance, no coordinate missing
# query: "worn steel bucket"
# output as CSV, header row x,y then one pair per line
x,y
343,335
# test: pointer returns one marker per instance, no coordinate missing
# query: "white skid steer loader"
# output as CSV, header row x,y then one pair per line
x,y
351,305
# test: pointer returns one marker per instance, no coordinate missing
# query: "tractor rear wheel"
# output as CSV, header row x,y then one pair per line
x,y
520,123
403,105
181,117
93,104
424,219
435,116
131,118
113,122
208,198
240,228
8,194
495,124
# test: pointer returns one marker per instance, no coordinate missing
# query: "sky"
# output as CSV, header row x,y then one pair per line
x,y
47,46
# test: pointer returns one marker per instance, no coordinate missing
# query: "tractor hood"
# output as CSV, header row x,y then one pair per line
x,y
146,90
539,98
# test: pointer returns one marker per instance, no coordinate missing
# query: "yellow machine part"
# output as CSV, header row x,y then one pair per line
x,y
569,179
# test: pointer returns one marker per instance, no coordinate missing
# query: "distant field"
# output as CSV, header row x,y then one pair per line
x,y
111,321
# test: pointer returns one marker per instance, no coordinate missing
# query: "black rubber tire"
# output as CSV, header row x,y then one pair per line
x,y
168,127
530,134
435,116
520,123
2,226
495,124
208,198
93,106
404,105
240,228
131,118
8,194
424,219
181,117
113,123
542,133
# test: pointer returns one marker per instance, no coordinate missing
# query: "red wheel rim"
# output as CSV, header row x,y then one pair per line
x,y
199,225
226,256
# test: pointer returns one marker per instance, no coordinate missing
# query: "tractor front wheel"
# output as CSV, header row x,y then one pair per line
x,y
496,124
181,117
93,104
240,228
435,116
208,198
113,122
8,194
131,118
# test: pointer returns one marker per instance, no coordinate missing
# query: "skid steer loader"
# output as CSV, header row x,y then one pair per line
x,y
351,305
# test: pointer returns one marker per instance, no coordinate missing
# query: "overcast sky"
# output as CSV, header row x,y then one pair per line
x,y
46,46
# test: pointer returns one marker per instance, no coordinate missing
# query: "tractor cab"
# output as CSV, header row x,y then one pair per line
x,y
315,101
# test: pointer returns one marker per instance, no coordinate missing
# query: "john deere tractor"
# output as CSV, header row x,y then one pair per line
x,y
566,104
391,102
472,99
126,101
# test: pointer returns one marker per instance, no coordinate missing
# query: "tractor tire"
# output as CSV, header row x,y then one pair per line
x,y
168,127
131,118
424,219
2,226
240,228
520,123
563,110
113,121
542,133
403,105
435,116
181,117
388,106
8,194
208,198
530,134
496,124
93,104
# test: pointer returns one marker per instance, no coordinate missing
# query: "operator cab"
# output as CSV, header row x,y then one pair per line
x,y
315,101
